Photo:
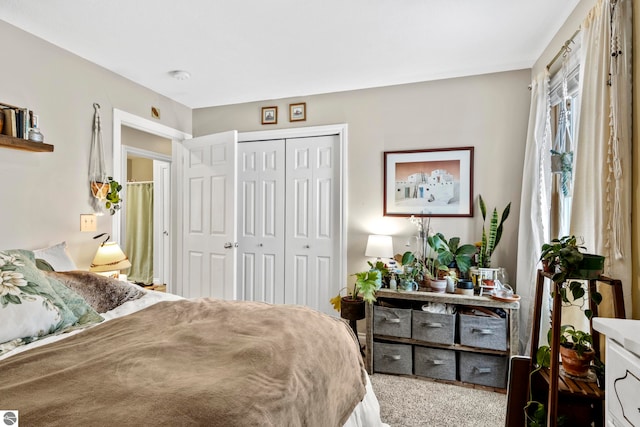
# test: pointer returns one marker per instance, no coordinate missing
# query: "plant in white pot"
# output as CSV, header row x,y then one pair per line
x,y
490,240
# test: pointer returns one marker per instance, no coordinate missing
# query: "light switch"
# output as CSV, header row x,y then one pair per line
x,y
88,222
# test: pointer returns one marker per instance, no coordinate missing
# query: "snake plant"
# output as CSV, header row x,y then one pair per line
x,y
490,242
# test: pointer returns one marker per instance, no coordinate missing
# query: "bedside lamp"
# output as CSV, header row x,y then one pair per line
x,y
379,246
109,259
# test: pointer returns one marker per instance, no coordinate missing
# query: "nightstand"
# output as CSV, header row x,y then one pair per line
x,y
622,370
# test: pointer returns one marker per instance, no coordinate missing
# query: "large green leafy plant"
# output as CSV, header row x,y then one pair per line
x,y
365,286
491,239
451,251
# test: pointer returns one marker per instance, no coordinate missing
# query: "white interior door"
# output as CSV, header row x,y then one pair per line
x,y
261,225
312,246
209,216
161,221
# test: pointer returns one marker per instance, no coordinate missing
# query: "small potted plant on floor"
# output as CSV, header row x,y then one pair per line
x,y
351,306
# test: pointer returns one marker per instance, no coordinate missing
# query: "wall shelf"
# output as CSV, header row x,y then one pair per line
x,y
24,144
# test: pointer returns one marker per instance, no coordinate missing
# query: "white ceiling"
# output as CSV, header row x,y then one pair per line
x,y
251,50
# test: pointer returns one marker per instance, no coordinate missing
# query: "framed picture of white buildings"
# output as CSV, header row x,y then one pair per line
x,y
434,182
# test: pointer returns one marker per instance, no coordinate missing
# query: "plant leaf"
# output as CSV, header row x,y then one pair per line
x,y
335,302
483,208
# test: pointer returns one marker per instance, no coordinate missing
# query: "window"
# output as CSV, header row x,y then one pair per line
x,y
564,87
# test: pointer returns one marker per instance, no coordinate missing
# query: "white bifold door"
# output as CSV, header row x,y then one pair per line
x,y
262,220
289,220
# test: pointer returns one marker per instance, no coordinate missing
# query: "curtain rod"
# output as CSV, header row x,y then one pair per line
x,y
565,47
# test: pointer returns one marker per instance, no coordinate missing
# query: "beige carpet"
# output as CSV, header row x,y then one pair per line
x,y
409,402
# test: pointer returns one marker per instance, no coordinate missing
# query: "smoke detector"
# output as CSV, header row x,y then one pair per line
x,y
180,74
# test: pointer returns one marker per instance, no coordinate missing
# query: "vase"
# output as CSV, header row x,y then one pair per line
x,y
438,285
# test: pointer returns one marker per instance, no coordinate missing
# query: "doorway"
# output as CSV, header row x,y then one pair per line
x,y
123,123
146,217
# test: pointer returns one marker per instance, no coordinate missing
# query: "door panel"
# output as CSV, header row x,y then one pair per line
x,y
209,213
261,171
313,243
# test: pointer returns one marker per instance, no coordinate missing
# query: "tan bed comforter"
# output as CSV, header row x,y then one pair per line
x,y
201,362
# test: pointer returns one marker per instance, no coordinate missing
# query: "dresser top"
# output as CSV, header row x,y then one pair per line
x,y
625,331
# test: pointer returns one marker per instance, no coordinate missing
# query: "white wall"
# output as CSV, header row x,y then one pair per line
x,y
488,112
43,194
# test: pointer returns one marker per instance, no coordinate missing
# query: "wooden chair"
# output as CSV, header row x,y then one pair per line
x,y
580,401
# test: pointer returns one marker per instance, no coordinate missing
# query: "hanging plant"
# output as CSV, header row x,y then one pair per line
x,y
112,199
562,163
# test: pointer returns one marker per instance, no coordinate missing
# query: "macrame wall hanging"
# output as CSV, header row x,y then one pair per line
x,y
104,189
561,153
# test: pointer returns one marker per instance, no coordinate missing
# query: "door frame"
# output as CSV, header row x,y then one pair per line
x,y
123,118
341,130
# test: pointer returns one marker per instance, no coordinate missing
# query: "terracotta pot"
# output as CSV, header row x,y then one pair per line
x,y
352,309
575,365
99,190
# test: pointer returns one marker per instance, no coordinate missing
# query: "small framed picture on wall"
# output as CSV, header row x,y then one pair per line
x,y
298,112
269,115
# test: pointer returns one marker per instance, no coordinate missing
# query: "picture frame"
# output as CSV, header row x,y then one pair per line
x,y
270,115
431,182
298,112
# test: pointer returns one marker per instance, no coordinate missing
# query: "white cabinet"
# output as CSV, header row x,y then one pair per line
x,y
622,390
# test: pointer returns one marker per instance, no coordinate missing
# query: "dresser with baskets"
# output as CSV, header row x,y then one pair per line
x,y
455,346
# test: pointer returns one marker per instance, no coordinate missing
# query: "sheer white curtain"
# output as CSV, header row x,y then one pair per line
x,y
533,229
601,210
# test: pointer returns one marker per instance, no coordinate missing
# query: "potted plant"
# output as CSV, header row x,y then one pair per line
x,y
454,255
564,260
490,240
384,272
576,350
436,269
108,192
351,306
113,200
412,271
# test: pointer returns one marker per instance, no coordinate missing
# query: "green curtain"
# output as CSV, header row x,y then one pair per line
x,y
139,245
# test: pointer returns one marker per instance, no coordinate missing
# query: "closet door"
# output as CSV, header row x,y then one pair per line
x,y
312,244
261,225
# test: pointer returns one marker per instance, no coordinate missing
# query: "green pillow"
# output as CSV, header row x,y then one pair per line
x,y
21,284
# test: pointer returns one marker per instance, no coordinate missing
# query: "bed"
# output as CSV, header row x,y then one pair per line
x,y
95,351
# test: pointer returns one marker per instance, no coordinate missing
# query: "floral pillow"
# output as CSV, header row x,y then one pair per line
x,y
30,306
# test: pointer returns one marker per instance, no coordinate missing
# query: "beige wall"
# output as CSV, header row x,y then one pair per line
x,y
145,140
43,194
488,112
139,169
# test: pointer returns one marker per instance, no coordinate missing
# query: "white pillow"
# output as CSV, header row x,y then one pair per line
x,y
57,256
33,317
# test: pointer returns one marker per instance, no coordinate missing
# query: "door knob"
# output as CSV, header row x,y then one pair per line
x,y
228,245
307,246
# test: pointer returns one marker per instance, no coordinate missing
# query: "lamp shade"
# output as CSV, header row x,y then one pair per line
x,y
379,246
109,258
